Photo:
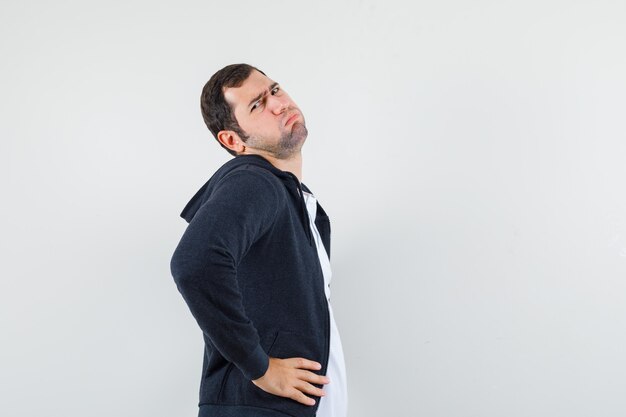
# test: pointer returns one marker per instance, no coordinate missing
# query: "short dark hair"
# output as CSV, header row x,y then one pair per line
x,y
216,112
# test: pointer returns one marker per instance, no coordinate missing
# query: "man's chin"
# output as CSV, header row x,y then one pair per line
x,y
299,130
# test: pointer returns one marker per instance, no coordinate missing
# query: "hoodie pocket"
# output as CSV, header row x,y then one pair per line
x,y
231,366
289,344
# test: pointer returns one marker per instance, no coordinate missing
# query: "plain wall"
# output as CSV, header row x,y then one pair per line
x,y
471,156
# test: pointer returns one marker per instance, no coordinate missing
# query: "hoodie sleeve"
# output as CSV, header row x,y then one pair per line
x,y
240,209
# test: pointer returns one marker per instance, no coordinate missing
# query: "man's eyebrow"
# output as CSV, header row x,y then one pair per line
x,y
262,94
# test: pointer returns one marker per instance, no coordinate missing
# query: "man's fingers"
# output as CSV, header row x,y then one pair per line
x,y
309,389
301,398
312,377
304,363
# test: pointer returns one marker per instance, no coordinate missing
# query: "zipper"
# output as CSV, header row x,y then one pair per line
x,y
320,273
327,331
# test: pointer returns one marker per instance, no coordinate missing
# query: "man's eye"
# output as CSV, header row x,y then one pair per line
x,y
275,89
256,105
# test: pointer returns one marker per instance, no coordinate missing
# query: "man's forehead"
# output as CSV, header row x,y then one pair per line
x,y
255,84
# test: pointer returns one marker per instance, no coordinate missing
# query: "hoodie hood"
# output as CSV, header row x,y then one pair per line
x,y
291,182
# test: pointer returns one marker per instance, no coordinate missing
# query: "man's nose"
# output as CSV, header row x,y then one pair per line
x,y
278,104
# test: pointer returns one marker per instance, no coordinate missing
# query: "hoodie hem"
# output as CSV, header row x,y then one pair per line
x,y
233,410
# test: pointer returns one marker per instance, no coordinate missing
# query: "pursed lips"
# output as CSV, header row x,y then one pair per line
x,y
292,117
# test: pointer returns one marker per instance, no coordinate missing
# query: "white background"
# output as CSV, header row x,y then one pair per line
x,y
471,156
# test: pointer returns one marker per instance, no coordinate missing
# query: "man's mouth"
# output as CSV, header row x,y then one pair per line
x,y
292,118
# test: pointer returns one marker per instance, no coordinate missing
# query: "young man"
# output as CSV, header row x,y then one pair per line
x,y
253,264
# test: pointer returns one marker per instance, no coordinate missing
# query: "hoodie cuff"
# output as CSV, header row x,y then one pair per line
x,y
256,364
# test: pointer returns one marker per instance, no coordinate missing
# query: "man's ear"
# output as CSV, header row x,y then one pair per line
x,y
231,140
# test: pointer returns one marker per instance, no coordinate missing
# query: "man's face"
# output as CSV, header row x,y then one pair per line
x,y
266,113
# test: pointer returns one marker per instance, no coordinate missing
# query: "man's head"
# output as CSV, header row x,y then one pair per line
x,y
247,112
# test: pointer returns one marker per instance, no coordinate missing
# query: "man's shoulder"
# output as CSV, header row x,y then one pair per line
x,y
252,174
241,179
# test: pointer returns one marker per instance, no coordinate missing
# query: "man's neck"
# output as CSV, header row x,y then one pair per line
x,y
293,164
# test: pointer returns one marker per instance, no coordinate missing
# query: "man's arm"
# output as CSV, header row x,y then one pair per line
x,y
204,265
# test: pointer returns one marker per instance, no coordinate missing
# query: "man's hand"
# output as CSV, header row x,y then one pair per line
x,y
288,378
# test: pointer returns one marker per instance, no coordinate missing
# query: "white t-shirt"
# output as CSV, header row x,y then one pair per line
x,y
335,402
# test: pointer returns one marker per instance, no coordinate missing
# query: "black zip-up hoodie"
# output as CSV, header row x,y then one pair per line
x,y
247,267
